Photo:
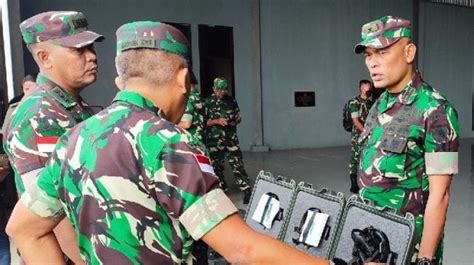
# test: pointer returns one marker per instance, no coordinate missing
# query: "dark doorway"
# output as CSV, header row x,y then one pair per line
x,y
3,79
216,51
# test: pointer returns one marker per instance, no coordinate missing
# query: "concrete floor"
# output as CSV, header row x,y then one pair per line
x,y
327,167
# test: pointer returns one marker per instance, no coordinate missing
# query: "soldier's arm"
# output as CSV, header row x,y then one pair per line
x,y
187,118
441,163
239,244
214,122
359,126
354,108
210,215
33,236
237,116
40,204
31,143
435,214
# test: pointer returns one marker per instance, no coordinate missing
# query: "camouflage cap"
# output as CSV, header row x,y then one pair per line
x,y
153,35
63,28
383,32
220,83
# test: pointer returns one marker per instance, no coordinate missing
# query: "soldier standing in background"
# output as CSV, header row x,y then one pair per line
x,y
223,115
193,117
359,109
410,139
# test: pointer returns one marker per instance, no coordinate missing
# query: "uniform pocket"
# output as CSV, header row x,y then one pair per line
x,y
393,145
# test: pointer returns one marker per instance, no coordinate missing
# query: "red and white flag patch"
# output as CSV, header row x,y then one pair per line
x,y
46,144
204,163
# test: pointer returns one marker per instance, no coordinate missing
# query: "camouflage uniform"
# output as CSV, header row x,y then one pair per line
x,y
359,108
407,137
223,141
128,180
194,113
48,111
43,116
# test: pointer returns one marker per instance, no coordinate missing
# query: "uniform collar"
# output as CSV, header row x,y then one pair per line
x,y
63,97
406,97
409,92
138,100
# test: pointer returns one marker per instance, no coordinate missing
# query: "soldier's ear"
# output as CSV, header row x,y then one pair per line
x,y
410,52
43,58
119,83
182,78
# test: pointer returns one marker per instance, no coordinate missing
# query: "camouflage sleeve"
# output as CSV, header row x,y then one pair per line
x,y
442,141
32,141
188,112
354,107
42,197
237,111
187,189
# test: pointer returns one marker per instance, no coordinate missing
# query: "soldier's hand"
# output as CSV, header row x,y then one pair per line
x,y
221,121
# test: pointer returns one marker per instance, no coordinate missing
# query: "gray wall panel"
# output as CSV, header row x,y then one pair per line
x,y
308,45
447,56
105,16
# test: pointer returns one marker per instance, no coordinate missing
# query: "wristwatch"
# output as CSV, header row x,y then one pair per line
x,y
424,261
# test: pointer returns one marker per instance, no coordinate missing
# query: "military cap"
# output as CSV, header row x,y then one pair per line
x,y
220,83
383,32
152,35
63,28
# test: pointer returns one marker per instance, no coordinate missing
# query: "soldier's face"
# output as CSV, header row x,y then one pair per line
x,y
364,88
388,67
27,85
76,68
220,93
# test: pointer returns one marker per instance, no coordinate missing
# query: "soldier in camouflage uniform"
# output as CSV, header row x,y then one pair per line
x,y
193,117
129,179
410,139
63,49
359,108
222,117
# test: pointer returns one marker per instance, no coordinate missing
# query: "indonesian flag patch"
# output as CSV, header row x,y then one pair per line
x,y
46,144
204,163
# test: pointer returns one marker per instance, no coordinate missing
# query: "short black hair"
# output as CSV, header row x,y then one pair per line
x,y
28,78
364,81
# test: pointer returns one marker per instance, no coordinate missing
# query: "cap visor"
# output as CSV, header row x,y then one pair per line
x,y
376,43
359,48
79,40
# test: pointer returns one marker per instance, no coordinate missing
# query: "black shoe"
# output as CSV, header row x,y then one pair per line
x,y
247,194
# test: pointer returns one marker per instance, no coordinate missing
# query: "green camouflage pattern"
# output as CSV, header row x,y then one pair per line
x,y
64,28
220,83
135,191
223,142
383,32
359,108
152,35
47,111
405,136
194,113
